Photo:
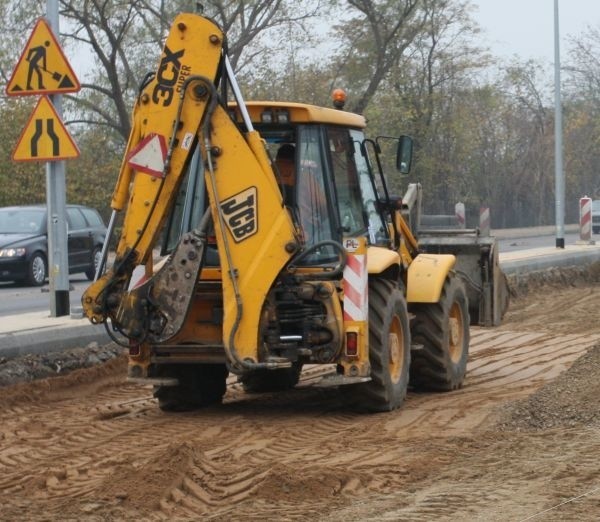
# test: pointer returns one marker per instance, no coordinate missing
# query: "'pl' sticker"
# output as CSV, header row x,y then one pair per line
x,y
351,244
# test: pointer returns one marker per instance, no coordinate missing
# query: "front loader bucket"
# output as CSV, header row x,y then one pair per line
x,y
477,263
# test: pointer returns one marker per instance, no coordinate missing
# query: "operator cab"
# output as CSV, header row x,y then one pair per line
x,y
321,164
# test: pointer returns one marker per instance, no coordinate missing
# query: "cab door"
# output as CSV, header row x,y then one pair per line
x,y
79,240
354,190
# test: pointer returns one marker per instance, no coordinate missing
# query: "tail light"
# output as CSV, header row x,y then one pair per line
x,y
134,349
351,344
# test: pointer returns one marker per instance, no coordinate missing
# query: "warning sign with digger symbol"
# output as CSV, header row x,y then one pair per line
x,y
42,67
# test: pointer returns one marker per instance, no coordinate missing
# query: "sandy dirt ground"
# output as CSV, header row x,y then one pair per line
x,y
520,440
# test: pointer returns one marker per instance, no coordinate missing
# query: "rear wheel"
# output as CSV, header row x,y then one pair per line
x,y
262,381
442,329
36,270
389,349
199,386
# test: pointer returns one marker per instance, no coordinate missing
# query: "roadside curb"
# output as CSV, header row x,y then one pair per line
x,y
51,338
520,233
528,261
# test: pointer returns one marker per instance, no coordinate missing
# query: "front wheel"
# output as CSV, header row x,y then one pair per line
x,y
36,270
90,273
389,349
442,329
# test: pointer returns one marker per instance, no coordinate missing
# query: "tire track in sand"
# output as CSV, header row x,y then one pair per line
x,y
249,451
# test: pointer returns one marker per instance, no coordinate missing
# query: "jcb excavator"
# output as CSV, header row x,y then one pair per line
x,y
279,246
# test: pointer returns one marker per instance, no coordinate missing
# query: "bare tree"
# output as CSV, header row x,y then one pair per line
x,y
120,35
375,39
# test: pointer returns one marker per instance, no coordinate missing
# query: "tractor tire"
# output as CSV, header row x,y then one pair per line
x,y
389,350
442,329
199,386
264,381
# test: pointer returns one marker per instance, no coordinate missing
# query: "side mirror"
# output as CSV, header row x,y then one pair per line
x,y
404,154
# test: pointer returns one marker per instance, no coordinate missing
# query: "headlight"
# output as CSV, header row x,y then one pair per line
x,y
12,252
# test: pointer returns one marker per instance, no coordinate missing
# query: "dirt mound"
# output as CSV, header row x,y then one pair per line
x,y
60,385
573,399
521,285
47,365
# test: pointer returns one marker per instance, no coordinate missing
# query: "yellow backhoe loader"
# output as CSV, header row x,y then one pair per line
x,y
258,237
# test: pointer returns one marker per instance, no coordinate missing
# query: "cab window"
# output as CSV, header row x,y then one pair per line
x,y
355,193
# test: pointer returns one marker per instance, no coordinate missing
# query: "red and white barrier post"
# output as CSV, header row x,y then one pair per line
x,y
459,212
585,219
484,221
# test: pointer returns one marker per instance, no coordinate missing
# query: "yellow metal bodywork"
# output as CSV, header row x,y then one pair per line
x,y
358,365
193,48
155,112
255,259
426,276
254,231
380,259
408,244
301,113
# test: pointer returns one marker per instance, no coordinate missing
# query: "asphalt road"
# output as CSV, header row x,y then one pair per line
x,y
526,243
16,298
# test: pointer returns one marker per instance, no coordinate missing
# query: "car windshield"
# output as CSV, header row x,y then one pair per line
x,y
21,220
596,205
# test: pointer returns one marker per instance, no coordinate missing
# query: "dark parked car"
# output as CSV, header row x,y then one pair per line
x,y
24,242
596,216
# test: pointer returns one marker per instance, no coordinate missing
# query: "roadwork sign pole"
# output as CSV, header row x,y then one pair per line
x,y
56,190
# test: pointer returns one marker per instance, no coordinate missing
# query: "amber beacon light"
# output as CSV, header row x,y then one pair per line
x,y
339,98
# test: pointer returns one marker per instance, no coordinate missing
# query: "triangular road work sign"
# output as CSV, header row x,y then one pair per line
x,y
42,68
45,138
149,155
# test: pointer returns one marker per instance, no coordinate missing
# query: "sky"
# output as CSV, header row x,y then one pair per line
x,y
526,27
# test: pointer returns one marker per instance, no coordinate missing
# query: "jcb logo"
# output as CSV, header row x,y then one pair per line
x,y
240,214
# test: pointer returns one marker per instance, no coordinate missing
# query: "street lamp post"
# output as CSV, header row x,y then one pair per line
x,y
558,152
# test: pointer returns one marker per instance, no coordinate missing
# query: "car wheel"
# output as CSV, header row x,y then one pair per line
x,y
90,273
37,270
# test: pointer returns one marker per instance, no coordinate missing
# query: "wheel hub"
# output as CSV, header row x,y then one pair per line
x,y
394,349
454,331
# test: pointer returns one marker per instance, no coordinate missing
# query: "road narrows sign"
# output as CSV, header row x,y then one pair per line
x,y
42,67
45,138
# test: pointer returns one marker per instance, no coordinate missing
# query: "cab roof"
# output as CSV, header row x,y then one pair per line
x,y
300,113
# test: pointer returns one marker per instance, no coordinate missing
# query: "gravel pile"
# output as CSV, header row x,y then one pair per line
x,y
571,400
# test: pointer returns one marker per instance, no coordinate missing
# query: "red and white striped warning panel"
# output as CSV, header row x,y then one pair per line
x,y
484,221
355,288
585,219
149,155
